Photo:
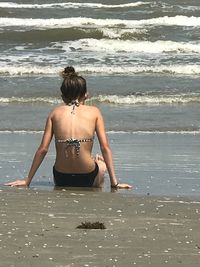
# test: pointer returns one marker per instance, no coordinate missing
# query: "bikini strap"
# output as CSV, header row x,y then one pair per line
x,y
76,143
74,103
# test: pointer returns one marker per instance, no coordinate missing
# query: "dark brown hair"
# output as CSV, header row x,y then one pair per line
x,y
73,86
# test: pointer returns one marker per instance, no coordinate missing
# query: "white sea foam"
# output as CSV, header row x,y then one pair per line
x,y
149,100
13,99
20,132
170,69
105,45
115,33
153,132
29,70
91,23
136,132
70,5
114,99
192,69
188,8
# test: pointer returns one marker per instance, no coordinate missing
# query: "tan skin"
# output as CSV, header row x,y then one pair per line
x,y
62,124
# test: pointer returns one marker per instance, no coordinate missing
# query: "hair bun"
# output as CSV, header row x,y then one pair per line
x,y
68,71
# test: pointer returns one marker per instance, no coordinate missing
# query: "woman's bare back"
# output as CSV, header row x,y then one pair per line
x,y
74,123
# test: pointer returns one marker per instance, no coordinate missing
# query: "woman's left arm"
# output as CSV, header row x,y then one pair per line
x,y
39,155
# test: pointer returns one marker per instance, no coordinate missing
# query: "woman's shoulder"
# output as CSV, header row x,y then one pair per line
x,y
56,110
92,108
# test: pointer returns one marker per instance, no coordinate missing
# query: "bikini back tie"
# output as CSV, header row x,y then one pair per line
x,y
74,103
75,143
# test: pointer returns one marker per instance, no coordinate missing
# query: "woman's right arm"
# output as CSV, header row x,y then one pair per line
x,y
107,152
39,155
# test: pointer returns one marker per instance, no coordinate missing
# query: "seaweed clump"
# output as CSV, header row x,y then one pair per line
x,y
91,225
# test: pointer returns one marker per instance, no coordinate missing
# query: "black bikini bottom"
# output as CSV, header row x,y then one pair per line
x,y
75,179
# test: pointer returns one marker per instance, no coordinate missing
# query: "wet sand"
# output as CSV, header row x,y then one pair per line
x,y
38,228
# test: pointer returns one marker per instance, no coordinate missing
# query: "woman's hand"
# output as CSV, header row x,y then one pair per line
x,y
123,186
120,186
22,182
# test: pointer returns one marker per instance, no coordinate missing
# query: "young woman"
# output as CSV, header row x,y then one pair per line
x,y
73,125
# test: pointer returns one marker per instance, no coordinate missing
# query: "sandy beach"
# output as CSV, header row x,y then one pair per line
x,y
38,228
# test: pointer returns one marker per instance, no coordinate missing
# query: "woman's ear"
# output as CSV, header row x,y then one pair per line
x,y
86,96
63,98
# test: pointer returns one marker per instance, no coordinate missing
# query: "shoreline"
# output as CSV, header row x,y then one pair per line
x,y
39,228
155,164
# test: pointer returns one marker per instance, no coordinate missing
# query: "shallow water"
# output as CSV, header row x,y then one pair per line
x,y
155,164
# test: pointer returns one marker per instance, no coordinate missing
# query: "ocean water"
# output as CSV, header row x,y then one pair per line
x,y
141,60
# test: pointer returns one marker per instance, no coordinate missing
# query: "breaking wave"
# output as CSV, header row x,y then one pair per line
x,y
71,5
91,23
137,99
192,69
